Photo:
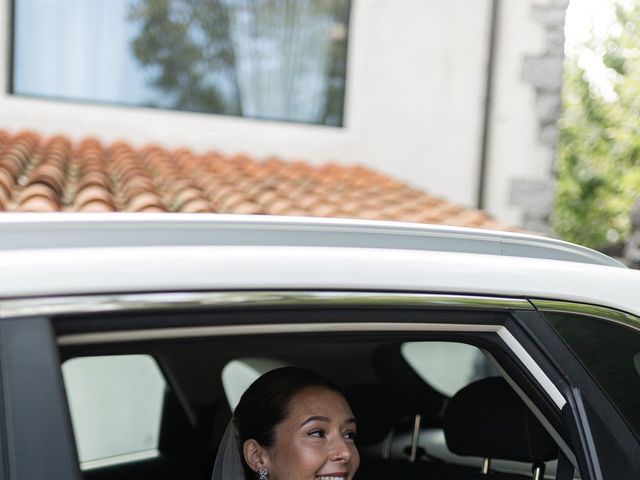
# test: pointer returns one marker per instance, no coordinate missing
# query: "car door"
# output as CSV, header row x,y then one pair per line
x,y
37,429
597,350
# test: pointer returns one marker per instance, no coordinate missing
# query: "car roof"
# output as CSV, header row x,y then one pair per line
x,y
109,255
36,231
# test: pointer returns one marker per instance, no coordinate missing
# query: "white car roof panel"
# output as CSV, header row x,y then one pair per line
x,y
36,231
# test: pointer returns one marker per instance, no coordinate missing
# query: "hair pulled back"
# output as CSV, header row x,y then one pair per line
x,y
266,403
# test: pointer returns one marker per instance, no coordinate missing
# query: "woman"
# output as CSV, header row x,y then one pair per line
x,y
290,424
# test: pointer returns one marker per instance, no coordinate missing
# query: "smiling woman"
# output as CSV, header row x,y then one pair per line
x,y
291,424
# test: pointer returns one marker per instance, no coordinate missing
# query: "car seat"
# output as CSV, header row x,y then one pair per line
x,y
379,410
488,419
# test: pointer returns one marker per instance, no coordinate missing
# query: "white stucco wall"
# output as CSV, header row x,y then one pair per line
x,y
415,93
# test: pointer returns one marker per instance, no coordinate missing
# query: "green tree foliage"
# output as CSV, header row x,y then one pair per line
x,y
599,161
188,48
187,45
334,100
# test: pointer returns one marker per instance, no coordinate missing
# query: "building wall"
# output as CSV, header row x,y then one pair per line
x,y
526,107
414,106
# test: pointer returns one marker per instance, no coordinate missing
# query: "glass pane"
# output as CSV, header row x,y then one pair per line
x,y
274,59
239,374
447,366
115,404
611,353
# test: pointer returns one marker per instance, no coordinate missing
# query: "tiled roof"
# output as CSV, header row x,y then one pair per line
x,y
54,174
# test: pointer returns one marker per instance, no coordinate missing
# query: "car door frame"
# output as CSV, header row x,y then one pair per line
x,y
37,435
20,322
597,409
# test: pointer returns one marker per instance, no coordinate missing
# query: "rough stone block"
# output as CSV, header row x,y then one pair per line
x,y
534,195
544,72
537,225
549,135
555,42
548,107
551,16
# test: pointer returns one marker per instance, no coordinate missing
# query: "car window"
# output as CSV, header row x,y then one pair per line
x,y
236,378
239,374
447,366
611,353
116,406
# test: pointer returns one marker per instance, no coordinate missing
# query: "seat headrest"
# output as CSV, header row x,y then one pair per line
x,y
488,419
377,411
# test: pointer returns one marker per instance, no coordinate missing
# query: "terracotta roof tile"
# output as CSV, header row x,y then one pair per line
x,y
195,205
94,178
56,174
6,183
37,204
93,194
145,202
96,206
4,199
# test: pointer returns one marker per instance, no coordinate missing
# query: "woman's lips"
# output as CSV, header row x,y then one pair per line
x,y
332,476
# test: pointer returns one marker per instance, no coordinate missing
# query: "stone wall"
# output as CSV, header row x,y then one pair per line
x,y
632,249
544,72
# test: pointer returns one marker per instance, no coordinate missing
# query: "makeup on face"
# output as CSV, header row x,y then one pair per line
x,y
317,439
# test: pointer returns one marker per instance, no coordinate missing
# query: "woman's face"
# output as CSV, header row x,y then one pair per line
x,y
317,440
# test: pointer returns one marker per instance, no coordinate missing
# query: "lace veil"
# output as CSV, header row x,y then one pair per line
x,y
228,464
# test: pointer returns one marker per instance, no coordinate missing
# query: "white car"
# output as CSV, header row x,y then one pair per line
x,y
125,341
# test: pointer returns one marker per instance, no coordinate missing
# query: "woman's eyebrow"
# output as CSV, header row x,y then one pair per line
x,y
350,420
320,418
316,418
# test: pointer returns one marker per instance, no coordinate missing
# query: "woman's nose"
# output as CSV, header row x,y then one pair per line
x,y
341,450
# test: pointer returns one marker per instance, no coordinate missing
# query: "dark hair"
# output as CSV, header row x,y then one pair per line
x,y
266,403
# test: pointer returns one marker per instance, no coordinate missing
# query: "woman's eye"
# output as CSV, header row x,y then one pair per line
x,y
350,435
317,433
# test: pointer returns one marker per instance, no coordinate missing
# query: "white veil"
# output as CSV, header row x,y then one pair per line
x,y
228,464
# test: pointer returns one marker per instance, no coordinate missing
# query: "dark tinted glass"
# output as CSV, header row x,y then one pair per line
x,y
274,59
610,353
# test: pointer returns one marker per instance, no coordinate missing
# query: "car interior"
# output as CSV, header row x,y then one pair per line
x,y
433,405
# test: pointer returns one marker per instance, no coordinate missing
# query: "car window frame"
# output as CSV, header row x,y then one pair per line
x,y
38,435
72,309
589,403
